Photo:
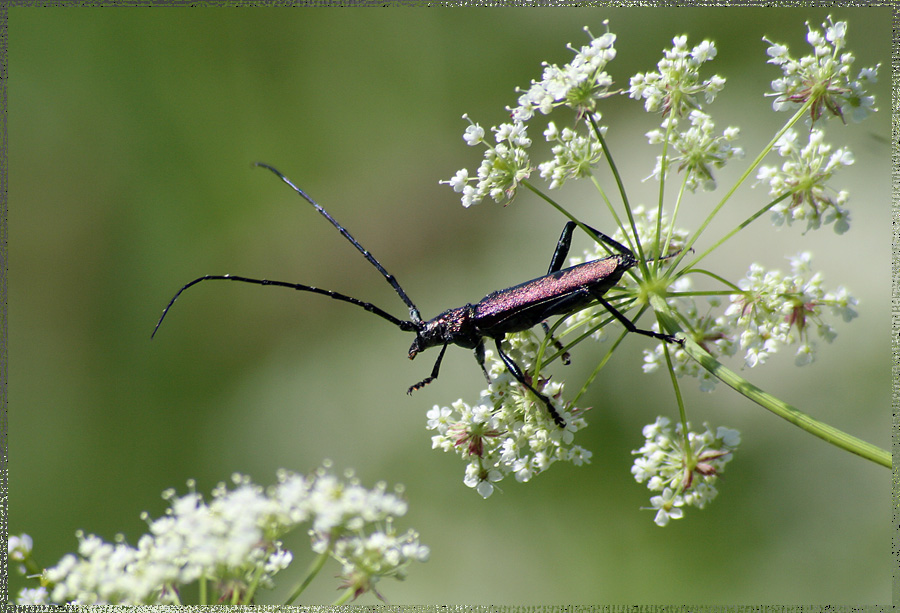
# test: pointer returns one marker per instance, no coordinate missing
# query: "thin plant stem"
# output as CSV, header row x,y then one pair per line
x,y
345,596
682,412
314,569
638,248
765,151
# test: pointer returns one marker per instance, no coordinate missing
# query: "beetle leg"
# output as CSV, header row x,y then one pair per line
x,y
434,372
629,325
609,241
479,357
565,357
565,241
517,374
562,247
556,263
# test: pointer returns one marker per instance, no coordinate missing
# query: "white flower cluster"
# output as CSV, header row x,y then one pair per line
x,y
509,432
697,150
577,85
803,175
684,469
505,164
823,76
233,542
574,155
367,558
675,87
777,310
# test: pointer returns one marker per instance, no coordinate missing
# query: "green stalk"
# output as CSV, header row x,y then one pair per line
x,y
827,433
753,165
314,569
204,595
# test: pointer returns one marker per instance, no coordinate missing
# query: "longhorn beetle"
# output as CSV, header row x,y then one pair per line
x,y
515,309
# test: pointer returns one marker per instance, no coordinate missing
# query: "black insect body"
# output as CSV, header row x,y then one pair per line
x,y
560,292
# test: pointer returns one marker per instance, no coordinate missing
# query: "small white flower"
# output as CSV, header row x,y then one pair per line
x,y
19,547
459,181
474,134
438,418
33,596
668,506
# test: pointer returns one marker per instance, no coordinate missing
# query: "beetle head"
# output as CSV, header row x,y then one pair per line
x,y
454,326
428,334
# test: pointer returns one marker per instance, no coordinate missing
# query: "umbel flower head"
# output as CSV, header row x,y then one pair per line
x,y
697,150
672,279
504,166
684,469
823,77
233,542
578,85
803,177
508,432
777,310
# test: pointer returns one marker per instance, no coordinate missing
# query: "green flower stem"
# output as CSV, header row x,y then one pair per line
x,y
254,585
314,569
740,227
33,569
580,224
551,202
663,173
612,210
784,410
615,171
542,348
565,212
706,292
720,279
597,369
682,412
175,594
659,216
345,596
753,165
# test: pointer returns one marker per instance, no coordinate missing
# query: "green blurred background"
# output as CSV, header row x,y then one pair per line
x,y
132,135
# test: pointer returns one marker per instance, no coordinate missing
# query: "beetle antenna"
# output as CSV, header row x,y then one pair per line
x,y
413,311
403,325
